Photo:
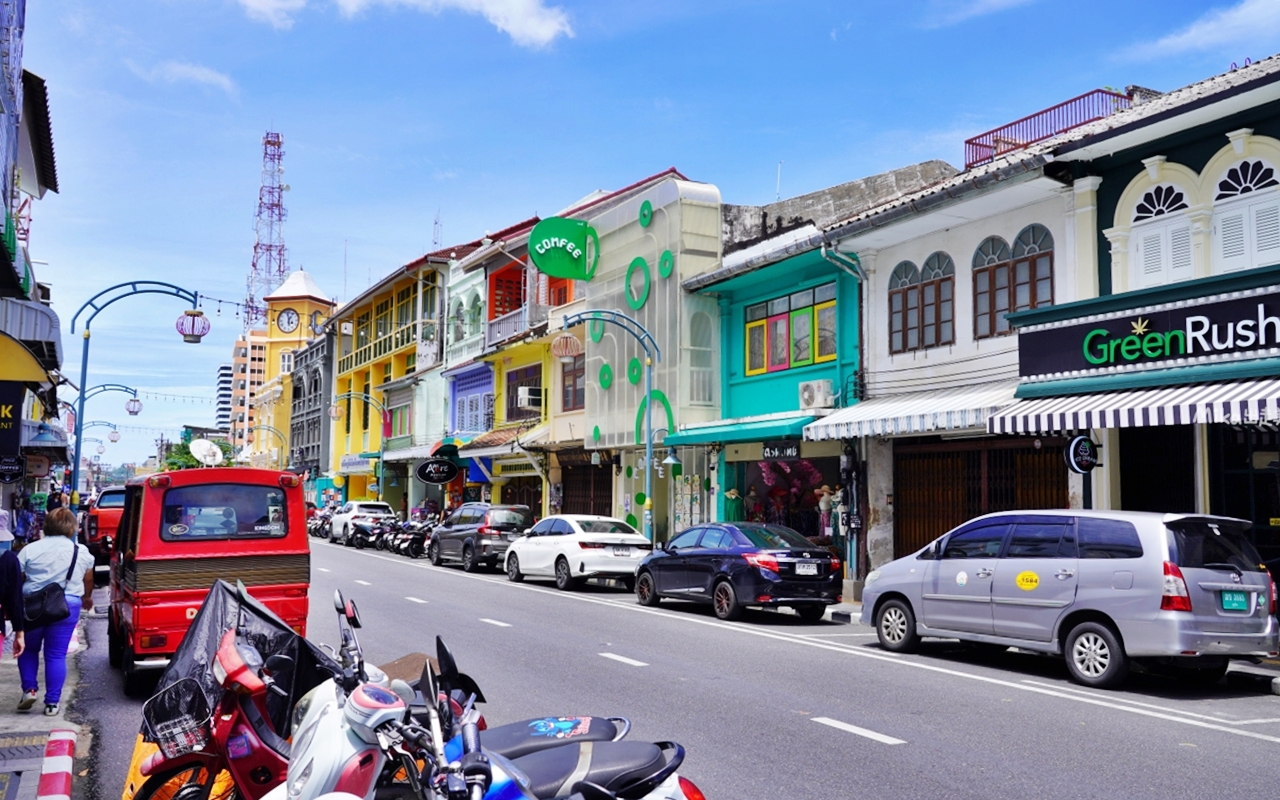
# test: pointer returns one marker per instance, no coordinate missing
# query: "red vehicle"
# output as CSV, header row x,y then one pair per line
x,y
98,526
183,530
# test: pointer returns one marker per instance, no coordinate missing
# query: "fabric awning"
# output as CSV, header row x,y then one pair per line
x,y
915,413
17,363
1230,403
742,430
512,444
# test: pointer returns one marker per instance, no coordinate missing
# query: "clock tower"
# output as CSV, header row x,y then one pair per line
x,y
295,312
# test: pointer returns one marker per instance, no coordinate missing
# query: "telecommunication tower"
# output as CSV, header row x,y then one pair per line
x,y
270,265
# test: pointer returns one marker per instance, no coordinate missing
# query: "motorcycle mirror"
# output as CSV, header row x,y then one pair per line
x,y
448,666
427,684
352,614
339,604
278,663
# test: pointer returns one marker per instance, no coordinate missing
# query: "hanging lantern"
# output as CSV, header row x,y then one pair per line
x,y
134,407
102,449
335,411
193,325
114,436
566,347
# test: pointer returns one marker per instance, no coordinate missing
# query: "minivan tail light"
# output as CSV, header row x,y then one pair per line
x,y
1175,596
762,560
1273,592
491,532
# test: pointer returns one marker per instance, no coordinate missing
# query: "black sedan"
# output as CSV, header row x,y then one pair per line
x,y
735,565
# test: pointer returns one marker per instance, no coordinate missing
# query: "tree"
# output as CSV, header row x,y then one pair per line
x,y
180,457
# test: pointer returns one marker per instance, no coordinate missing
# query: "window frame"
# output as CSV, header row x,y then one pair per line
x,y
763,326
573,384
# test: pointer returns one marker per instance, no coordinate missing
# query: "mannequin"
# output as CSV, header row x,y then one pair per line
x,y
826,499
732,506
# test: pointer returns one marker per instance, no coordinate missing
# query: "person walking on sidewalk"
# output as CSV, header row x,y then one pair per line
x,y
43,563
11,599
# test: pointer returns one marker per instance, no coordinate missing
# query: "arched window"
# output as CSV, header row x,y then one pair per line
x,y
1033,268
1246,217
1158,201
992,263
904,308
474,313
457,322
937,300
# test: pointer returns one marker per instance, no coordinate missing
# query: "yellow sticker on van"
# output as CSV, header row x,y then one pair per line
x,y
1027,581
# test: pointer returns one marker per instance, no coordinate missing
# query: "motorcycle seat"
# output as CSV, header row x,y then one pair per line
x,y
518,739
612,765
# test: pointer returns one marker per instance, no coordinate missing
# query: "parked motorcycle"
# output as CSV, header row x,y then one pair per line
x,y
318,526
366,533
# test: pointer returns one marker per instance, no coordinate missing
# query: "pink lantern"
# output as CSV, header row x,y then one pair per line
x,y
193,325
134,407
114,436
566,347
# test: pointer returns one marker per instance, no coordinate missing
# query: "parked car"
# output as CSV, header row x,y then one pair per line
x,y
478,534
356,511
574,547
1102,588
739,565
99,523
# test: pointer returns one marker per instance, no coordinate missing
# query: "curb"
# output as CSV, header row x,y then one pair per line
x,y
59,760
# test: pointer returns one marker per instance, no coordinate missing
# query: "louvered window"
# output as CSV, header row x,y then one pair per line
x,y
1161,251
1246,232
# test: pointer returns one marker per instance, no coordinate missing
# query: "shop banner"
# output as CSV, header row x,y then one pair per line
x,y
11,396
1233,328
437,470
785,450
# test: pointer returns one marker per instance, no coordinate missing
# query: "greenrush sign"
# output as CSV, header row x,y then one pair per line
x,y
565,248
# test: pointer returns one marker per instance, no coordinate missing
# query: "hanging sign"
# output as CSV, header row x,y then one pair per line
x,y
11,396
38,466
786,450
565,248
1081,455
437,470
12,469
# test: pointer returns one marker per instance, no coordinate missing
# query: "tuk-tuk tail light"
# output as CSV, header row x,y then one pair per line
x,y
290,481
159,481
149,641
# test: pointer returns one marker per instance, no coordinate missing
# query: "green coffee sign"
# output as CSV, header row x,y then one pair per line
x,y
565,248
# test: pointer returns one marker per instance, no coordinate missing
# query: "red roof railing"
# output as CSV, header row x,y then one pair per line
x,y
1037,127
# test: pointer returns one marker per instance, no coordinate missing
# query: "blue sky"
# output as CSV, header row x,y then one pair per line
x,y
487,111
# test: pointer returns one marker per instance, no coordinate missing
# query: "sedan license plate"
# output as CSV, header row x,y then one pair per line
x,y
1235,601
806,569
622,551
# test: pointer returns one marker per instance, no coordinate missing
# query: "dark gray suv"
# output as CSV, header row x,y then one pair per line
x,y
478,533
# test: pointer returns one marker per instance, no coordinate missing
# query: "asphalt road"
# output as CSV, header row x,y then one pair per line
x,y
774,708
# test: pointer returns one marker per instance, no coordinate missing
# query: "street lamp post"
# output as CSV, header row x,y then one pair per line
x,y
652,353
191,330
335,412
284,440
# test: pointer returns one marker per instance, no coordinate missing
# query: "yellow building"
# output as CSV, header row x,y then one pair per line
x,y
296,313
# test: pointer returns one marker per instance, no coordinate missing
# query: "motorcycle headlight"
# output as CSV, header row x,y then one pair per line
x,y
299,782
872,577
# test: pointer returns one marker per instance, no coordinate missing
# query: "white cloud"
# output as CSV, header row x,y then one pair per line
x,y
529,23
951,12
276,13
1251,23
183,72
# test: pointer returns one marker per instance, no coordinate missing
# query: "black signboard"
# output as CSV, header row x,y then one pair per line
x,y
437,470
786,450
12,469
1241,326
11,395
1081,454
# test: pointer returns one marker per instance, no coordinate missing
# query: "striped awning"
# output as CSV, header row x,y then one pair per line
x,y
1243,402
966,407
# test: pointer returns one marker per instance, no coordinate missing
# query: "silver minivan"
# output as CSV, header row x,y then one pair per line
x,y
1181,592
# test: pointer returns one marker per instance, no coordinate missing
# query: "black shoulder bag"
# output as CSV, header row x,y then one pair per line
x,y
49,604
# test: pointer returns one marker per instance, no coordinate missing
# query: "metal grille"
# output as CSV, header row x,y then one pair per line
x,y
587,490
524,492
173,574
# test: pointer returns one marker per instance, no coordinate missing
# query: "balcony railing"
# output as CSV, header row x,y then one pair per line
x,y
464,350
404,336
1040,126
514,323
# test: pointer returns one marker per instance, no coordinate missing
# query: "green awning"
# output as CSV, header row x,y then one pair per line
x,y
733,432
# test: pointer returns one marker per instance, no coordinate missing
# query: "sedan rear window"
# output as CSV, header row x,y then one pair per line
x,y
223,511
604,526
111,500
1108,538
1201,544
774,537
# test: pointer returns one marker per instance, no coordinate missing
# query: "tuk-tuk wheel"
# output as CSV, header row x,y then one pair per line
x,y
135,680
115,647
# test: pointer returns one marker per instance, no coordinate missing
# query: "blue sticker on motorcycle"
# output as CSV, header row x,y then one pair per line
x,y
560,727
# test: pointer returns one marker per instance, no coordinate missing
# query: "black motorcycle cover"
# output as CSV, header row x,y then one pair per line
x,y
228,607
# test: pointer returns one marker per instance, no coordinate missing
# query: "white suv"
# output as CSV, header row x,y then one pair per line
x,y
340,525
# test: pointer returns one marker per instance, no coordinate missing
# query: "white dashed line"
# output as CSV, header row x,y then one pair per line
x,y
495,622
414,599
625,660
322,569
363,583
854,729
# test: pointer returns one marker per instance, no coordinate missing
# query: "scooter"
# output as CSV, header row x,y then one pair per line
x,y
365,534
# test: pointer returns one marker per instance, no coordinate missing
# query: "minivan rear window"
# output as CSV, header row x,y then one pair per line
x,y
1108,538
111,500
223,511
1201,544
510,516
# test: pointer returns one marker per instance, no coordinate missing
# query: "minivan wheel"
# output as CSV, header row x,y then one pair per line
x,y
896,627
646,592
724,600
469,559
1095,656
433,553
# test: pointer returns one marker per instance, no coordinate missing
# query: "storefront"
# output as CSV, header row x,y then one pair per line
x,y
513,471
586,482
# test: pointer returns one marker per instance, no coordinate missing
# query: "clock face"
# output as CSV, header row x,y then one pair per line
x,y
287,321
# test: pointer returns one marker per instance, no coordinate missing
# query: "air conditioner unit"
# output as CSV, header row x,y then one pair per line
x,y
347,328
816,394
530,397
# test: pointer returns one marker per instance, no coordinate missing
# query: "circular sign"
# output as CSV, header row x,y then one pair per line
x,y
1081,455
1027,581
437,470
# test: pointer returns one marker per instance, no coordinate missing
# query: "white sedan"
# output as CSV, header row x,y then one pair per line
x,y
574,547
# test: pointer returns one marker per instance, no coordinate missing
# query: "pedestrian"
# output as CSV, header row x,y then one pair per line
x,y
11,599
54,500
6,531
57,558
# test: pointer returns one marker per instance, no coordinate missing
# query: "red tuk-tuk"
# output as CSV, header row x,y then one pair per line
x,y
183,530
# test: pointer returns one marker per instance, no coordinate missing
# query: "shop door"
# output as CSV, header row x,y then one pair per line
x,y
1158,469
587,490
524,492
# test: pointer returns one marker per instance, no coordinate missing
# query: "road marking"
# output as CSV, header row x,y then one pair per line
x,y
854,729
322,569
414,599
821,636
363,583
1166,709
625,660
495,622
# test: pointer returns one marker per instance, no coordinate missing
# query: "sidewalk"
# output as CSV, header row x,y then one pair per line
x,y
37,753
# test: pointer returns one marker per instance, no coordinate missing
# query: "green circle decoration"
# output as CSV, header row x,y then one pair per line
x,y
640,498
635,371
595,434
606,376
637,303
632,521
646,214
659,399
666,263
628,472
595,328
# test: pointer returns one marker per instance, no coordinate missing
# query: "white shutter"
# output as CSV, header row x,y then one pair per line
x,y
1152,254
1180,266
1266,233
1231,242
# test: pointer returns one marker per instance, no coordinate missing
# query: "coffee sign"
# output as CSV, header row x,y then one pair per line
x,y
565,248
1236,327
437,470
12,469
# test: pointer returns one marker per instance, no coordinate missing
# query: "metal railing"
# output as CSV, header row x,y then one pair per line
x,y
1037,127
514,323
404,336
464,349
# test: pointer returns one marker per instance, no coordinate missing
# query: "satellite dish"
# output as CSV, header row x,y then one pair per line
x,y
206,452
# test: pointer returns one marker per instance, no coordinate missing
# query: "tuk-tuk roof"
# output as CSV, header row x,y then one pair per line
x,y
199,475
